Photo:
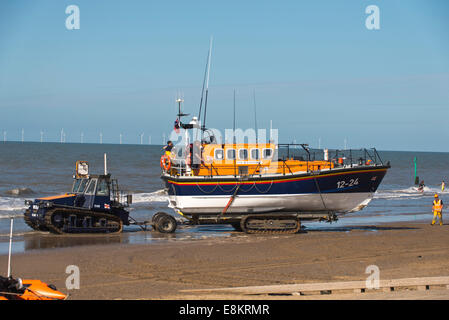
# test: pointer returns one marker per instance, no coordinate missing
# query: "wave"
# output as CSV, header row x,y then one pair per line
x,y
18,214
19,191
11,204
409,193
156,196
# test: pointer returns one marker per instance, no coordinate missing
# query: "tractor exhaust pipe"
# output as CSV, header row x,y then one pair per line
x,y
105,164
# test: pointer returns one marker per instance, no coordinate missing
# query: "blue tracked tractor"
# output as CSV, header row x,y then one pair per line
x,y
94,205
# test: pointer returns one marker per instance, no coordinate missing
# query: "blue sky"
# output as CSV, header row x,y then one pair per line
x,y
317,71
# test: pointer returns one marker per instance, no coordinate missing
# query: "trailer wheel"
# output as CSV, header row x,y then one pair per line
x,y
156,217
165,223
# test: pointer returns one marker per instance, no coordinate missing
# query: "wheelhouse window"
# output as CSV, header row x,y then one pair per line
x,y
83,186
255,154
76,185
243,154
79,185
219,154
103,188
230,154
179,152
91,187
267,153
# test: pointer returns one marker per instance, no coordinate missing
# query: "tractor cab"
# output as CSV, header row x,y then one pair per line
x,y
98,192
95,204
93,192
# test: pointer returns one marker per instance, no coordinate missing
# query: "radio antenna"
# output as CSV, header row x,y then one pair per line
x,y
207,84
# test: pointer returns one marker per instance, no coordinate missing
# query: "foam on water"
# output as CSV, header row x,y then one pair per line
x,y
19,191
9,206
410,193
156,196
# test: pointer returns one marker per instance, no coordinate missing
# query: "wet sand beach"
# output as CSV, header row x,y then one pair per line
x,y
159,270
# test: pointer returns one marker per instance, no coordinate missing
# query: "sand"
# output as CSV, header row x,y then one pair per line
x,y
161,270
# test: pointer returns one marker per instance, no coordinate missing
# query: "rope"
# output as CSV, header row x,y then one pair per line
x,y
216,186
250,188
321,196
231,200
269,188
228,191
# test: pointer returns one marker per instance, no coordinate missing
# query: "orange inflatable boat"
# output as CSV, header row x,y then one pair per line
x,y
18,289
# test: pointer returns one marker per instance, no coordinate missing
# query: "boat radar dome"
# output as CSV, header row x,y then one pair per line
x,y
194,122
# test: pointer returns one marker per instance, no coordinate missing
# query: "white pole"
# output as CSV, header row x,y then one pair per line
x,y
208,62
10,248
271,130
105,164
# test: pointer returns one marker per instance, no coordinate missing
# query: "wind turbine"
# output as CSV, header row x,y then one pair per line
x,y
141,138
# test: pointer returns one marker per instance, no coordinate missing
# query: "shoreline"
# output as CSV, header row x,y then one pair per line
x,y
161,270
34,240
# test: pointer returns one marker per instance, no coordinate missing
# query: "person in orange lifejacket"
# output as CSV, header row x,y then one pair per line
x,y
437,210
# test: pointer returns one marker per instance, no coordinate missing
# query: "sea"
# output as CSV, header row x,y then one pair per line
x,y
30,170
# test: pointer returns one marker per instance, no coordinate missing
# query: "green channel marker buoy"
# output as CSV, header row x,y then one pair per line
x,y
416,171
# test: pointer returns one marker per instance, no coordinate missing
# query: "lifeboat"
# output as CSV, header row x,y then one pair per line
x,y
261,186
268,187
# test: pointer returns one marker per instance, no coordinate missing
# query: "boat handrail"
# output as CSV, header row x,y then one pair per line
x,y
334,158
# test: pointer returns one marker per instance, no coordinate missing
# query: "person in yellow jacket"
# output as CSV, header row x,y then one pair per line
x,y
168,148
437,210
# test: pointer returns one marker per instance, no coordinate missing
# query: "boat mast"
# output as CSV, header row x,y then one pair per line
x,y
202,90
234,141
207,87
